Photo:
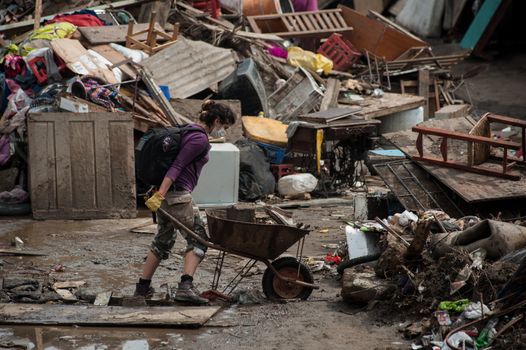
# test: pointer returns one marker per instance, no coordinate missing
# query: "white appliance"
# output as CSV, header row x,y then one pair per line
x,y
219,181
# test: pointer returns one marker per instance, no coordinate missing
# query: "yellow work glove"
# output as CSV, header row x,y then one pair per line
x,y
155,201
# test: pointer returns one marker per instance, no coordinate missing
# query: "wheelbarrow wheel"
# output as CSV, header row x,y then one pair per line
x,y
275,288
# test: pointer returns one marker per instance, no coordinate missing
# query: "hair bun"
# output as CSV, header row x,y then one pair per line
x,y
207,104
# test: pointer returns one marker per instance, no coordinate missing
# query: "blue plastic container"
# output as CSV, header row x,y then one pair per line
x,y
275,154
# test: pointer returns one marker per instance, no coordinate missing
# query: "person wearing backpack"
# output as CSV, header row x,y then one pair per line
x,y
173,159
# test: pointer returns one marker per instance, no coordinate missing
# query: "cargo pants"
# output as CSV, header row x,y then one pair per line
x,y
180,205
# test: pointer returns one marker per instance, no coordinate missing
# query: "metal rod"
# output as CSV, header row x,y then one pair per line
x,y
404,164
369,65
218,270
241,275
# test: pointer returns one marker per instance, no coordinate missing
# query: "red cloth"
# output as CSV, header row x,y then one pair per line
x,y
80,20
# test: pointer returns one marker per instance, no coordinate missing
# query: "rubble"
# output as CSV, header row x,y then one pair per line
x,y
317,86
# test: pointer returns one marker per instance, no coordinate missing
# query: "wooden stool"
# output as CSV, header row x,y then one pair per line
x,y
150,45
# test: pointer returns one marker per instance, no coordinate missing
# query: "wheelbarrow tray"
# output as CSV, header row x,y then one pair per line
x,y
262,241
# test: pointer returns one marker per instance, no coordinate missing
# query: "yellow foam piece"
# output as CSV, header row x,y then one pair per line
x,y
265,130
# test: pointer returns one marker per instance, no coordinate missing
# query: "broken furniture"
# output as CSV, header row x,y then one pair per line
x,y
299,95
284,278
488,194
81,165
342,145
340,51
318,24
472,140
150,45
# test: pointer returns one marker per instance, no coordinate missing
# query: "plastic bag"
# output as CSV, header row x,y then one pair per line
x,y
292,185
298,57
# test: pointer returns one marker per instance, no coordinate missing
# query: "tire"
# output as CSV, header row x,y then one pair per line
x,y
275,288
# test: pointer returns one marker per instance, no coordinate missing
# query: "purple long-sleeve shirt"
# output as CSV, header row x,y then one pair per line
x,y
184,172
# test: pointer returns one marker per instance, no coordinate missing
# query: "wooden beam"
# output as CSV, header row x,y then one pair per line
x,y
30,22
89,315
38,14
423,89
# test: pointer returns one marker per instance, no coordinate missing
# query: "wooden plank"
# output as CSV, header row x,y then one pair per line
x,y
47,314
38,14
15,251
103,159
63,163
115,57
388,104
423,89
310,24
376,37
19,26
393,24
330,98
473,188
82,146
301,26
122,165
115,34
103,299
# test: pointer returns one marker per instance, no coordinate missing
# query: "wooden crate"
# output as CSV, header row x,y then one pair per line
x,y
81,165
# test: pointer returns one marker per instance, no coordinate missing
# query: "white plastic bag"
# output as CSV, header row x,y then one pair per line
x,y
292,185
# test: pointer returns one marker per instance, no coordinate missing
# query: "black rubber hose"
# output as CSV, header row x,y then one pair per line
x,y
356,261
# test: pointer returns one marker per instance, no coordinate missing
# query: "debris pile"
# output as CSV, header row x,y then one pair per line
x,y
461,275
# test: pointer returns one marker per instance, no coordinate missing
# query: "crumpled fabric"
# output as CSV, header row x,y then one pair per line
x,y
15,196
15,114
14,65
101,95
297,57
80,20
54,31
5,149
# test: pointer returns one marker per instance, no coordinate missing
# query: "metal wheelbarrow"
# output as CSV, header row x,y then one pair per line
x,y
285,278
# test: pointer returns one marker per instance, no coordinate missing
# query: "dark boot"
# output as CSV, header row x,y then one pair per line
x,y
186,292
143,289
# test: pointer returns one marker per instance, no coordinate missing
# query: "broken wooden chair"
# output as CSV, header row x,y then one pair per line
x,y
479,143
151,45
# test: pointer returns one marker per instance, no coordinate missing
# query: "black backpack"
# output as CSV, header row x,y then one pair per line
x,y
157,150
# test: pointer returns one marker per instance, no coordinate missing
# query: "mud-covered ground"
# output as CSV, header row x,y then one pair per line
x,y
106,255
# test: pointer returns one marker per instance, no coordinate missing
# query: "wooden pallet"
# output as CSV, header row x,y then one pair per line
x,y
319,24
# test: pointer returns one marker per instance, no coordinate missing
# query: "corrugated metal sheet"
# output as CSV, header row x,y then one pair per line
x,y
188,67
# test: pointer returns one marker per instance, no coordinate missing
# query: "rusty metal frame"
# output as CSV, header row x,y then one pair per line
x,y
470,139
